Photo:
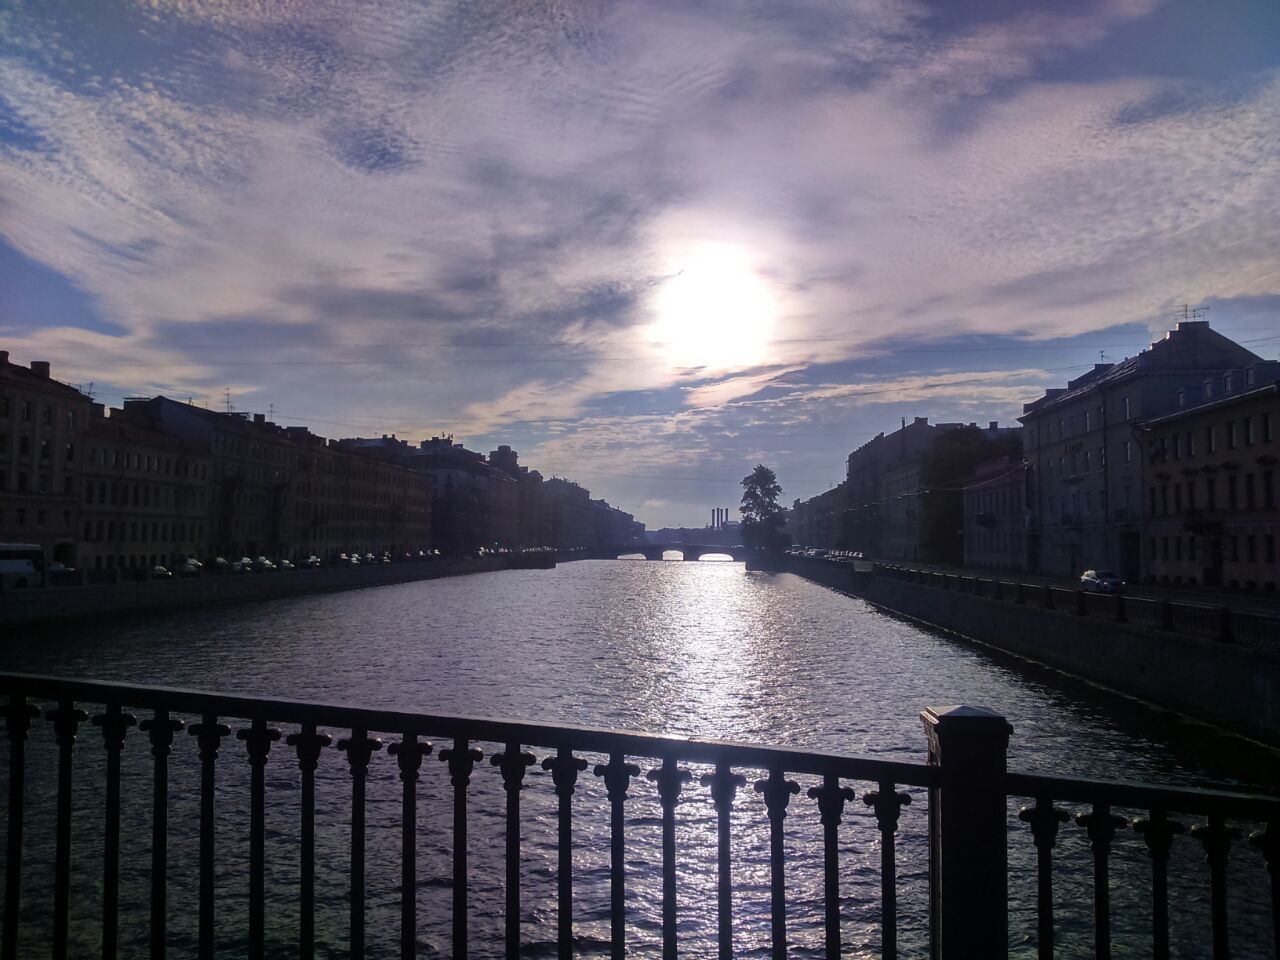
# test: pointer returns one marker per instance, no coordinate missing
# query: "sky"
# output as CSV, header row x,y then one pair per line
x,y
647,244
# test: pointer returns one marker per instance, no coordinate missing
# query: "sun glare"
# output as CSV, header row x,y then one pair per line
x,y
716,312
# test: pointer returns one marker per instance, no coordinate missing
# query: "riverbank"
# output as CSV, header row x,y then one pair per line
x,y
1228,684
71,603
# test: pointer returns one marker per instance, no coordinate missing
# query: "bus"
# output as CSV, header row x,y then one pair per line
x,y
21,566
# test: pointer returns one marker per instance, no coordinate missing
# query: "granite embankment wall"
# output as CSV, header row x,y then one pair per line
x,y
80,602
1227,684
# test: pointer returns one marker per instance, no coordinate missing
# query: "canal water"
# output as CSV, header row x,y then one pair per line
x,y
700,649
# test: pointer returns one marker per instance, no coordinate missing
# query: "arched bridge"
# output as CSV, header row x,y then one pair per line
x,y
688,551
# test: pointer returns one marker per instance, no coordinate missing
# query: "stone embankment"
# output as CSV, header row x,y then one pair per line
x,y
1207,662
54,604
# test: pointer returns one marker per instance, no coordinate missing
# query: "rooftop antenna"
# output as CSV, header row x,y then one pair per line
x,y
1102,356
89,392
226,394
271,411
1187,312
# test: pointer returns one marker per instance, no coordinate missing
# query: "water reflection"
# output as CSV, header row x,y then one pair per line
x,y
700,649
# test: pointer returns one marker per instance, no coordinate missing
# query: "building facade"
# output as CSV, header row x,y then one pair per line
x,y
1083,450
1211,497
42,423
996,516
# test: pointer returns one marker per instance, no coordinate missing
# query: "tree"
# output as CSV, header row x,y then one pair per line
x,y
761,514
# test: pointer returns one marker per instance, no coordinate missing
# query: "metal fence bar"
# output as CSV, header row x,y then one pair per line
x,y
1101,825
1216,838
209,734
512,763
1267,840
670,779
1158,831
777,790
887,804
358,748
115,723
308,743
1044,820
160,730
257,740
66,718
724,784
18,719
617,774
462,759
409,753
831,798
564,767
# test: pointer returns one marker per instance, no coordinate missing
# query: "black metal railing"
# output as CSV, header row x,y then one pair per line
x,y
1150,811
210,719
964,788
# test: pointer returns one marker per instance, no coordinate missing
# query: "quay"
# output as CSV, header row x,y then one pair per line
x,y
1210,662
57,604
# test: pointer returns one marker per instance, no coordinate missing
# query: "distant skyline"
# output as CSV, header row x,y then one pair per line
x,y
649,245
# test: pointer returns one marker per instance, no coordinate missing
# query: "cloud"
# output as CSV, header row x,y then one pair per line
x,y
460,215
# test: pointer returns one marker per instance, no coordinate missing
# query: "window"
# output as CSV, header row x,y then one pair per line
x,y
22,516
1231,434
24,446
4,406
1191,444
1125,401
1247,430
1269,547
1086,461
1268,490
1233,501
1211,493
1086,421
1264,427
71,419
24,411
46,415
1192,543
1128,451
1249,501
44,449
1210,439
71,453
1251,548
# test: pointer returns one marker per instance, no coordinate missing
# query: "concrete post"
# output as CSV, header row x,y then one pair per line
x,y
968,862
1120,615
1166,615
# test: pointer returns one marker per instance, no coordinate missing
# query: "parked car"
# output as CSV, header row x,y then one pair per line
x,y
283,565
243,565
263,565
190,568
160,573
1100,581
312,562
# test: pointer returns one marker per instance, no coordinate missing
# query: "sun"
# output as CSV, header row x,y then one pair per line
x,y
714,311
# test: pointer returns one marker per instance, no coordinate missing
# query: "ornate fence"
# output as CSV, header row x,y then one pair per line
x,y
967,788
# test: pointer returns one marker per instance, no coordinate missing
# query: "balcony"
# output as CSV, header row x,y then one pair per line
x,y
964,786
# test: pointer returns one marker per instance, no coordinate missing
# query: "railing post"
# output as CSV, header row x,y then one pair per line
x,y
1120,615
968,833
1166,614
1225,633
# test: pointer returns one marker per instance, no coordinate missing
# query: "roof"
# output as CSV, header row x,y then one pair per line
x,y
1209,406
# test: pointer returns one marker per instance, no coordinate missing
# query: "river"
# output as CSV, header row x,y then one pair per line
x,y
700,649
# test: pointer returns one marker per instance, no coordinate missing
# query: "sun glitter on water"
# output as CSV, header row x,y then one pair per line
x,y
715,311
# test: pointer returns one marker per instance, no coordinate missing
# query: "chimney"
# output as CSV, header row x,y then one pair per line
x,y
4,356
40,368
994,426
100,410
919,420
259,418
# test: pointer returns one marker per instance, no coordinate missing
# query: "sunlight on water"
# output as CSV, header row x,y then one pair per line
x,y
698,649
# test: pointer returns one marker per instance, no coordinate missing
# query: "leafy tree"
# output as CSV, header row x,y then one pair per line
x,y
761,515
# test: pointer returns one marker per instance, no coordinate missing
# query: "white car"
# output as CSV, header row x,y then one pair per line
x,y
1100,581
311,562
